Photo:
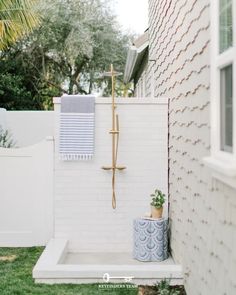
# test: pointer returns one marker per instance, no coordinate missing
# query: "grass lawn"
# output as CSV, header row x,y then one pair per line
x,y
16,266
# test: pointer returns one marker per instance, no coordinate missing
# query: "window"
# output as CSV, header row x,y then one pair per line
x,y
226,105
225,24
223,88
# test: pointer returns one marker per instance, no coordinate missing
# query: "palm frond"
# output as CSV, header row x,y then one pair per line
x,y
17,17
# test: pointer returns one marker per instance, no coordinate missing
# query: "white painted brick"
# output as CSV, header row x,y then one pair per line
x,y
83,211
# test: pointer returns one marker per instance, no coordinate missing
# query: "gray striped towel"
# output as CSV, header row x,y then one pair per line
x,y
77,127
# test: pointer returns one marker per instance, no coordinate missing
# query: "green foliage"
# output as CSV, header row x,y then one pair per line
x,y
124,90
45,94
164,288
158,199
73,48
6,140
13,92
16,19
21,83
16,277
76,42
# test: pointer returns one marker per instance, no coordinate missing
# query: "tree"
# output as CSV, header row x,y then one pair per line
x,y
75,43
21,86
17,17
13,93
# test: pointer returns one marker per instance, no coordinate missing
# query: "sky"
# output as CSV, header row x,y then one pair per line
x,y
132,14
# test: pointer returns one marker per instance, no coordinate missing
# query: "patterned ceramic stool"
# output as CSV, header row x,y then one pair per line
x,y
150,239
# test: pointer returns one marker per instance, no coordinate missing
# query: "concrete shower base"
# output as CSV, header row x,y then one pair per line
x,y
57,265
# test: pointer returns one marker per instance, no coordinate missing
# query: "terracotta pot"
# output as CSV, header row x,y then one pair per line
x,y
156,212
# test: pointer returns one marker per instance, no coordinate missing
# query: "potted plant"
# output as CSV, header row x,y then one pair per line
x,y
158,199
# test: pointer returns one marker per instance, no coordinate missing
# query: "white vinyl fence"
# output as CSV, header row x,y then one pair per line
x,y
26,195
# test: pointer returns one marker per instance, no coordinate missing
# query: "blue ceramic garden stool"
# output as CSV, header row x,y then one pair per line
x,y
150,241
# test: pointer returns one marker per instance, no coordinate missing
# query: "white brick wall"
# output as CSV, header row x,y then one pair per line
x,y
83,212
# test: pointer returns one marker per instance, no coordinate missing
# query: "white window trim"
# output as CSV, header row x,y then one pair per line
x,y
223,163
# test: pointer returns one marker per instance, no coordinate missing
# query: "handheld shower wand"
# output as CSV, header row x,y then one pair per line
x,y
115,137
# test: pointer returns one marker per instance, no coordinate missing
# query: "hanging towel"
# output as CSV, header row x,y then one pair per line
x,y
77,127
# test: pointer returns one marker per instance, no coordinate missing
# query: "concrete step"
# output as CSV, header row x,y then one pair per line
x,y
58,265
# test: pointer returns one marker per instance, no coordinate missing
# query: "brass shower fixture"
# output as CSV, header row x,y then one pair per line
x,y
115,136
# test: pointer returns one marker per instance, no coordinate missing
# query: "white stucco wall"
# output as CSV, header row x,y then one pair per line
x,y
83,211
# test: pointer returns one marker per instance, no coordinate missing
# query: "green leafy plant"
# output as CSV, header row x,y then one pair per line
x,y
158,199
6,140
164,288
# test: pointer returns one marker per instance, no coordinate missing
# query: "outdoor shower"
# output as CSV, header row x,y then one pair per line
x,y
115,135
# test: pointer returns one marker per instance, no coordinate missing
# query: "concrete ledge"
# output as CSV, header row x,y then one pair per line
x,y
149,282
125,100
51,257
51,268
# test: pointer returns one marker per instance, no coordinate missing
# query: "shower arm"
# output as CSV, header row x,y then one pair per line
x,y
115,140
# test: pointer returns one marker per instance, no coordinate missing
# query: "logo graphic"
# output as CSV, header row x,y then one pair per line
x,y
107,277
